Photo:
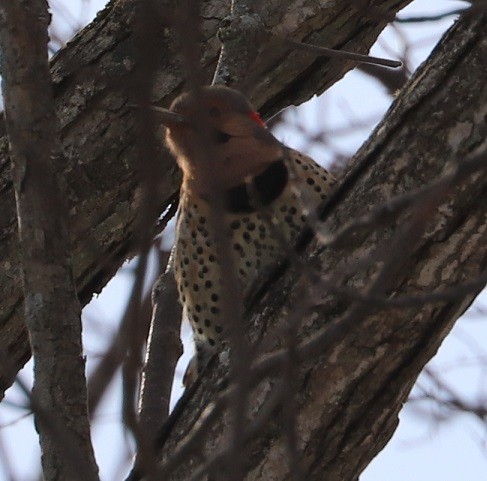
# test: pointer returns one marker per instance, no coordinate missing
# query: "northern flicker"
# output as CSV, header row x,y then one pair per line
x,y
252,171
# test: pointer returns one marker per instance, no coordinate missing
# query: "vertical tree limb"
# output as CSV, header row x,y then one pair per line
x,y
52,310
163,351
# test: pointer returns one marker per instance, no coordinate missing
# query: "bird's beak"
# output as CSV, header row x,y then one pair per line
x,y
165,116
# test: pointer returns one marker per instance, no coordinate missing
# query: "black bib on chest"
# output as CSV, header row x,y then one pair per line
x,y
267,187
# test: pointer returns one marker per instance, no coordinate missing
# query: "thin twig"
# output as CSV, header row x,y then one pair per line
x,y
432,18
341,54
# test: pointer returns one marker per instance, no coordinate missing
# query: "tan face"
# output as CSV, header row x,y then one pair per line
x,y
222,142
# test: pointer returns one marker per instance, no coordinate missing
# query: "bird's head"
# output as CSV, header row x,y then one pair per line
x,y
216,134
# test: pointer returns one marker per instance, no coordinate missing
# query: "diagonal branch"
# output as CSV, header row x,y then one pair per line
x,y
354,378
92,77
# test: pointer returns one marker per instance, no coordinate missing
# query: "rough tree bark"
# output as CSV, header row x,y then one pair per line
x,y
93,76
357,367
370,325
52,310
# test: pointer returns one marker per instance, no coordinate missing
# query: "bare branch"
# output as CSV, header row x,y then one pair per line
x,y
358,361
332,53
91,78
52,310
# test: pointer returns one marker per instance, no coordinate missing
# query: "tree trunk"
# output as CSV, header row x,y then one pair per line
x,y
94,82
390,288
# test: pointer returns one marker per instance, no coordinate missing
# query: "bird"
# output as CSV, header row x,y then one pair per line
x,y
227,153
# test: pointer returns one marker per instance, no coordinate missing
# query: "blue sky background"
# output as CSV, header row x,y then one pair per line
x,y
425,446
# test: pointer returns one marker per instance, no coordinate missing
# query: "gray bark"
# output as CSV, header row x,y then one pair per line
x,y
93,77
389,292
51,307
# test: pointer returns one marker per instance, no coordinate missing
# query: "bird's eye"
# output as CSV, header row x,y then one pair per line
x,y
214,112
220,137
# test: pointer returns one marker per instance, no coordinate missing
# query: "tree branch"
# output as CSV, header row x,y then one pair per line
x,y
356,372
92,78
52,310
